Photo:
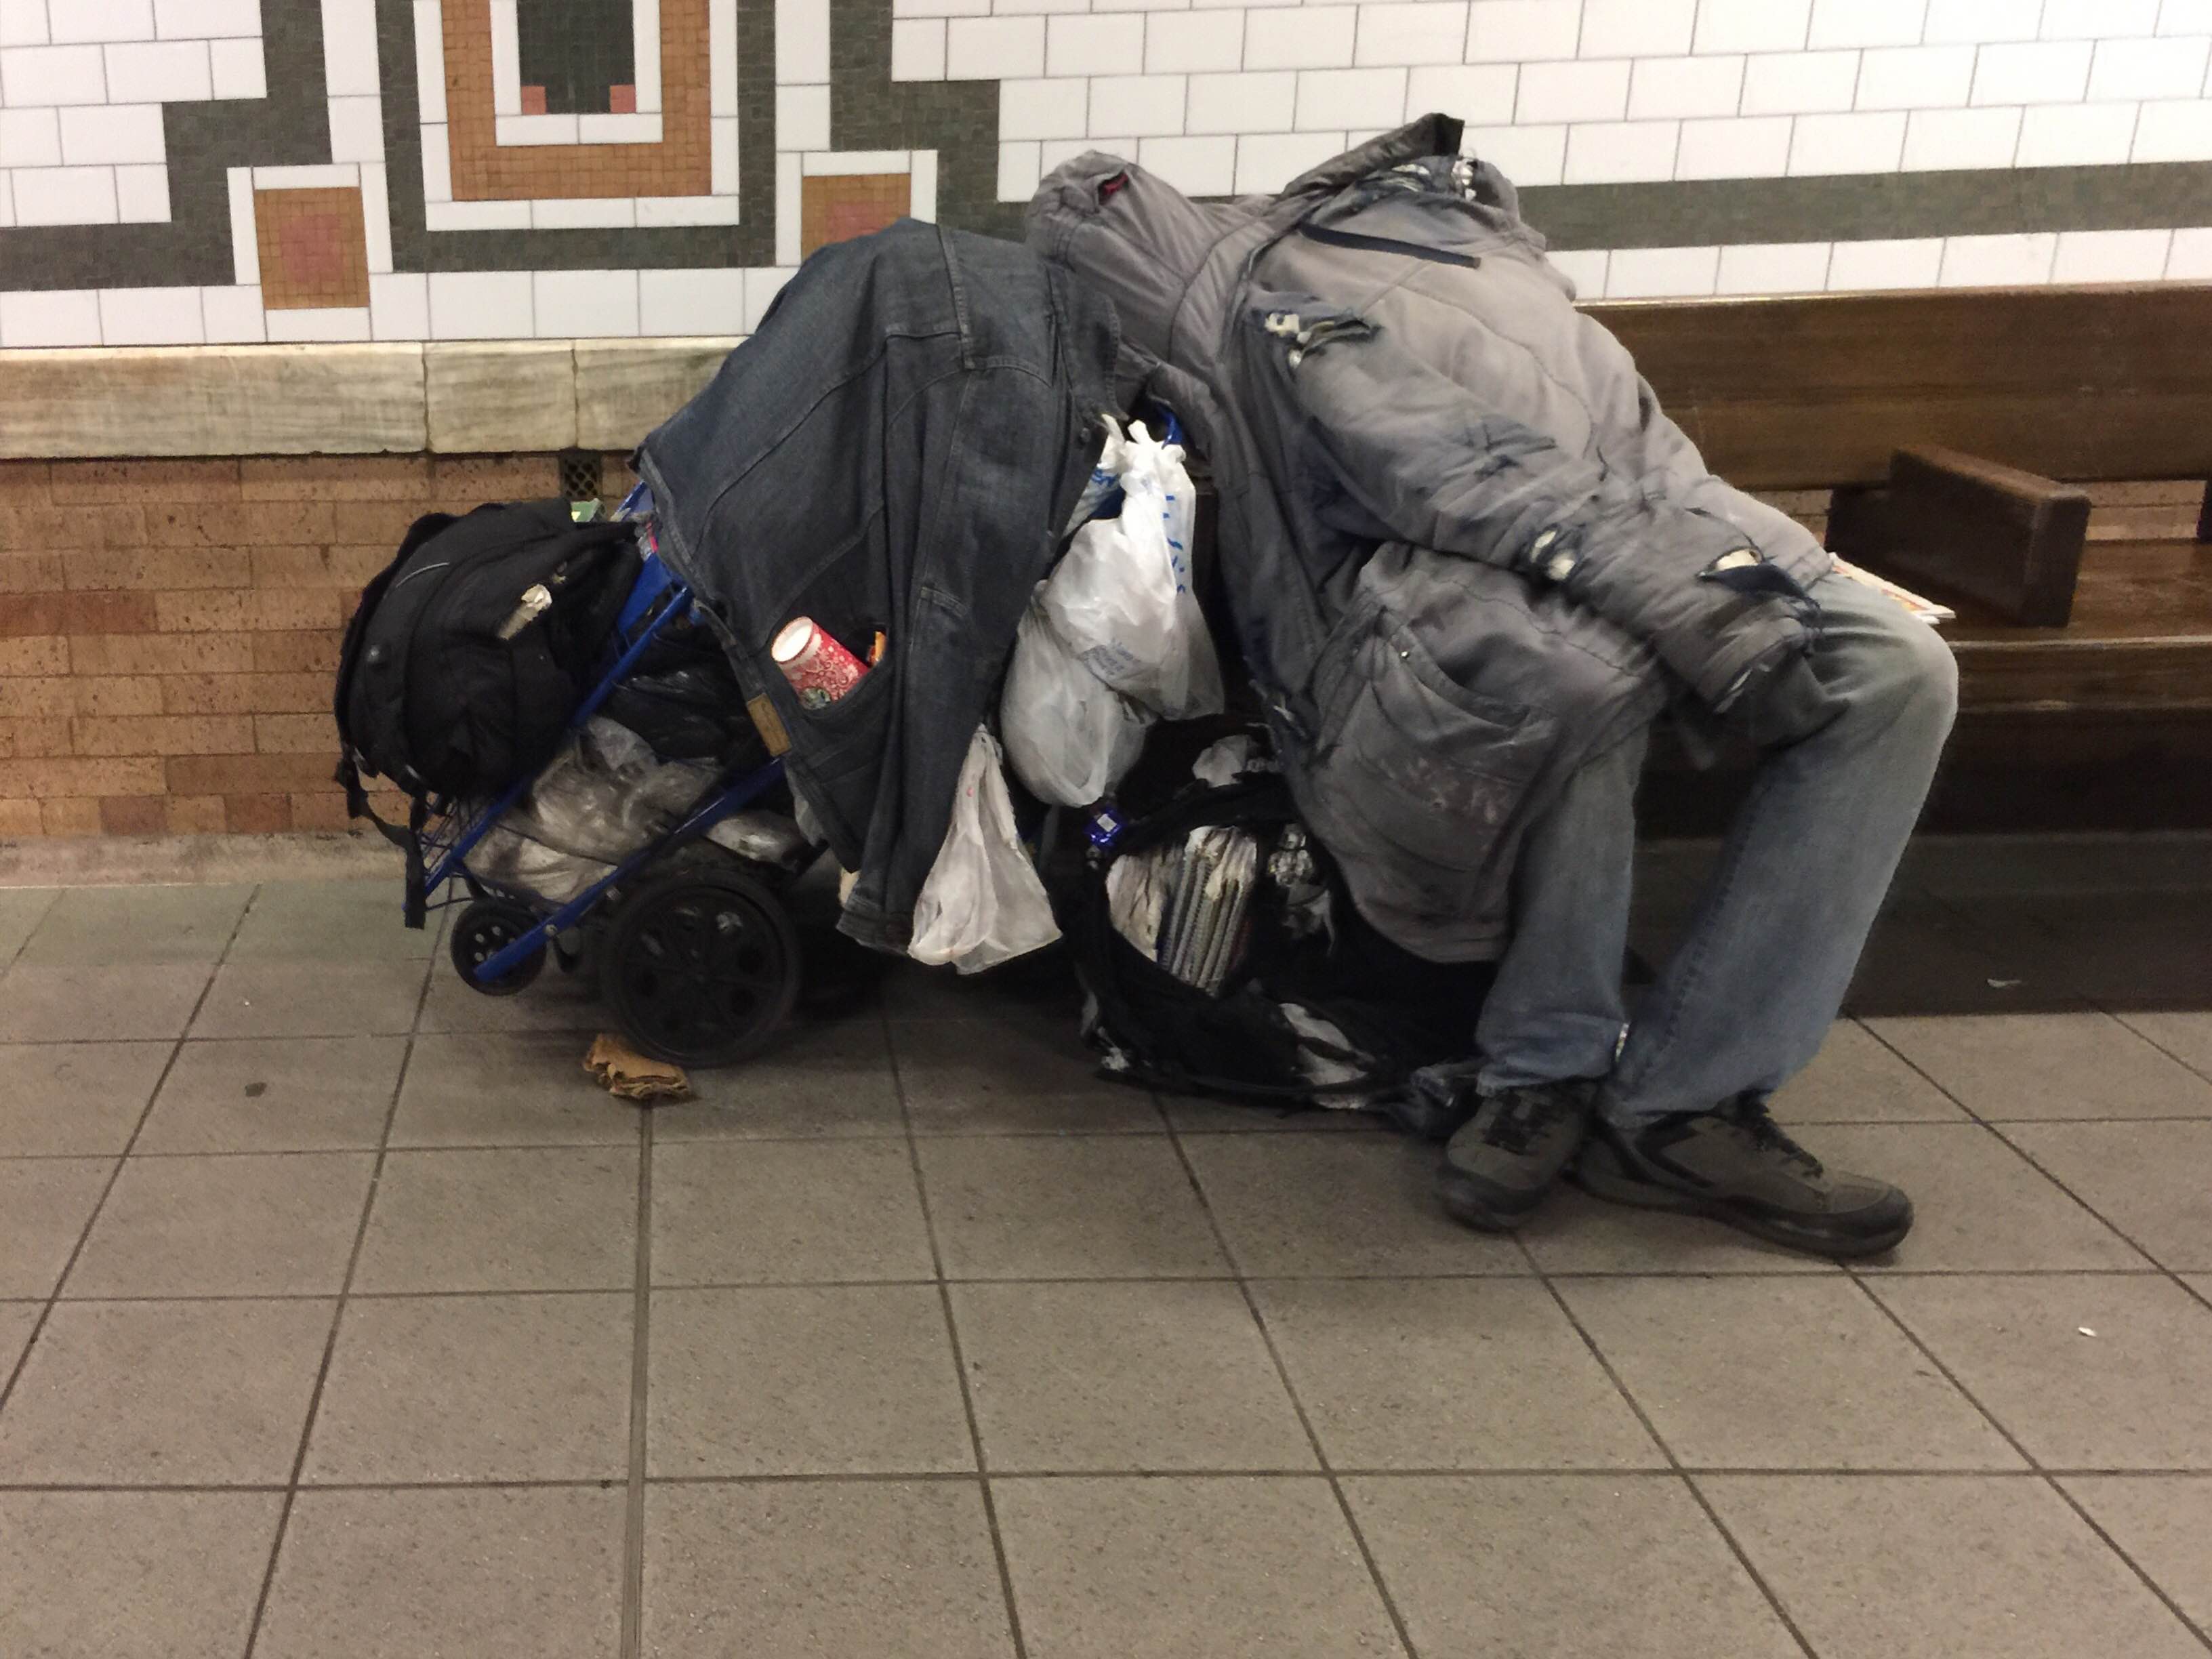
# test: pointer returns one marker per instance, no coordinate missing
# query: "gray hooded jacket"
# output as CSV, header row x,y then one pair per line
x,y
1463,551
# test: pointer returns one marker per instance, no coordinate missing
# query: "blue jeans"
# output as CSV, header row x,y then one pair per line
x,y
1747,997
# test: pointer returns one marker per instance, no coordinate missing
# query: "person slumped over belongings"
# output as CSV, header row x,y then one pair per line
x,y
1470,561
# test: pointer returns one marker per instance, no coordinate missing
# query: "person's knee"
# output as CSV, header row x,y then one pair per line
x,y
1907,679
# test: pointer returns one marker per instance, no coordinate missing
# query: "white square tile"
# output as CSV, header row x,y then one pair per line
x,y
1044,109
6,200
158,71
476,216
1521,31
206,19
583,213
429,61
1976,21
30,138
1867,23
692,303
1585,267
319,325
356,128
1314,37
722,61
994,48
604,127
65,195
1751,26
480,305
802,117
50,317
1800,83
23,23
1749,147
1196,166
1473,92
1142,104
2175,132
2149,68
1249,102
1343,98
940,8
655,212
1194,42
141,195
918,49
1773,268
2186,17
1113,43
1680,87
244,249
1621,152
1052,152
100,20
1940,139
1020,167
1640,273
151,316
2191,261
722,139
1997,261
1912,262
1916,77
802,42
399,306
1527,156
317,175
857,161
233,316
2032,72
1637,29
39,77
349,48
1872,142
2111,256
1267,161
2075,135
239,72
1425,32
437,167
1582,91
922,186
761,286
2095,20
104,135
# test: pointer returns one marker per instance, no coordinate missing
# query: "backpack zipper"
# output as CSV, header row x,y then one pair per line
x,y
1387,245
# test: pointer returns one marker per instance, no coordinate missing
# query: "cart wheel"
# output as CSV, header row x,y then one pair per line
x,y
481,932
701,968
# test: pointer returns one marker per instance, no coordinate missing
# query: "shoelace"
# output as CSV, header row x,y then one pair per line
x,y
1752,1118
1530,1113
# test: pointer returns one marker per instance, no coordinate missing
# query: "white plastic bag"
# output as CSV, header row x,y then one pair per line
x,y
983,903
1070,736
1121,599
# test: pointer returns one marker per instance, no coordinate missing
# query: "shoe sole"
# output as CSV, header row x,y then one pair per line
x,y
1645,1195
1476,1204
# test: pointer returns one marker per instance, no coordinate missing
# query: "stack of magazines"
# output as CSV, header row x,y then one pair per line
x,y
1186,907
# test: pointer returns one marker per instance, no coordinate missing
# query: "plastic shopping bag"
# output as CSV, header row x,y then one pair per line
x,y
1121,599
1070,736
983,903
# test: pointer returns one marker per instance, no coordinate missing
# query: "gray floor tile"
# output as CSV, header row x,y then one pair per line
x,y
1781,1373
1291,1206
476,1388
2186,1036
1192,1116
1928,1567
98,1005
2128,949
557,1002
282,1225
74,1097
1503,1566
1858,1079
513,1219
1124,1377
491,1573
1978,1205
853,1379
2164,1524
1039,987
1077,1207
506,1089
2132,1396
2148,1180
132,1575
2050,1066
22,909
830,1567
1010,1076
114,926
1448,1374
43,1205
164,1393
322,998
829,1077
1575,1233
330,921
17,1321
734,1212
276,1095
1252,1567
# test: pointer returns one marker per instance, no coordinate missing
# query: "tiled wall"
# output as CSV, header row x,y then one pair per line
x,y
190,171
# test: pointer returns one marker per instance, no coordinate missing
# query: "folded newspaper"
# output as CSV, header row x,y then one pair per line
x,y
1928,610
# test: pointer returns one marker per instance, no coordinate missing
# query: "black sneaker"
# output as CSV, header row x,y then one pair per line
x,y
1734,1164
1498,1166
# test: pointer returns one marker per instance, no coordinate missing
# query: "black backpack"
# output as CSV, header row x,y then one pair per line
x,y
468,654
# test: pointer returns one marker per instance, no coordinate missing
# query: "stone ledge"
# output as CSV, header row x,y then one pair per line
x,y
447,397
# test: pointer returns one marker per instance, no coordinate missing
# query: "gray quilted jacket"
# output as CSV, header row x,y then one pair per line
x,y
1462,549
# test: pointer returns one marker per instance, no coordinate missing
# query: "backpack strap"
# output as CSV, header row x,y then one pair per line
x,y
415,906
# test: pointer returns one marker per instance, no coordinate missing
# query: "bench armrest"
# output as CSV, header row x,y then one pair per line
x,y
2005,538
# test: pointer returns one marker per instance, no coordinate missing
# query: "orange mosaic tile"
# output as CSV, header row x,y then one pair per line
x,y
837,205
622,101
534,100
314,248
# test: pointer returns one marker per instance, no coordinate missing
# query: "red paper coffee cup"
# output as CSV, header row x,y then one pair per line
x,y
819,669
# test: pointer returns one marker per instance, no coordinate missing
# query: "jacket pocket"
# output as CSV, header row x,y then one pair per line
x,y
839,750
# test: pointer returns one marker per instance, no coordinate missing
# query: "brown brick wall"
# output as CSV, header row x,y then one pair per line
x,y
169,629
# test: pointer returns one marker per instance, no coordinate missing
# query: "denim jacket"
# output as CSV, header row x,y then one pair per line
x,y
894,452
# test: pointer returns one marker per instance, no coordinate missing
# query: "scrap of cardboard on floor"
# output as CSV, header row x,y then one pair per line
x,y
629,1075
